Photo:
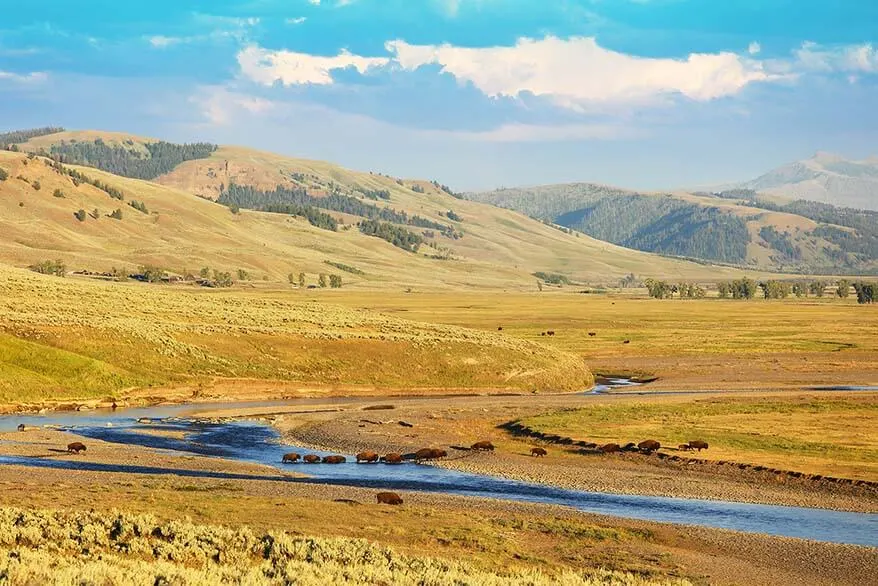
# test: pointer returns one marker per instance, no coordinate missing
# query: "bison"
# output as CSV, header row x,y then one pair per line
x,y
500,329
483,446
429,454
609,448
334,459
75,447
626,341
392,458
367,457
648,446
684,447
388,498
698,445
290,458
22,427
592,334
629,447
311,458
550,332
538,452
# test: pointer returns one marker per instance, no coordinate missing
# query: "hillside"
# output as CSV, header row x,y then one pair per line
x,y
824,178
301,214
735,226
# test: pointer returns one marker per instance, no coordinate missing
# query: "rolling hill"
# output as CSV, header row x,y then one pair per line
x,y
737,226
282,216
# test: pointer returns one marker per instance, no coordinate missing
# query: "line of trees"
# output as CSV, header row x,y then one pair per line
x,y
8,139
397,236
161,157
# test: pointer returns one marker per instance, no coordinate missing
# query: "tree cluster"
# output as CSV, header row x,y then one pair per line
x,y
552,278
161,157
738,289
7,139
344,267
866,292
50,267
399,237
659,289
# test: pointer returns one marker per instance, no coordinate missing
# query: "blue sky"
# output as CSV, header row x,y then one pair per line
x,y
646,94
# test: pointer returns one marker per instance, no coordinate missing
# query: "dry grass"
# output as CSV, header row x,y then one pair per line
x,y
832,435
702,344
85,339
114,548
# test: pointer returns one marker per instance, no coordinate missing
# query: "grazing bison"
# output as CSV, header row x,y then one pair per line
x,y
483,446
698,445
626,341
609,448
684,447
500,329
592,334
392,458
75,447
550,332
311,458
290,458
367,457
388,498
538,452
648,446
334,459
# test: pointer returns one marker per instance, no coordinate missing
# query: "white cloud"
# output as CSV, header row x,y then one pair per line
x,y
161,41
314,2
33,77
221,106
849,58
291,68
578,71
754,48
544,133
298,20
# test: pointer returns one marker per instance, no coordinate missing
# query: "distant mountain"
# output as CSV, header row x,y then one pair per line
x,y
825,178
737,226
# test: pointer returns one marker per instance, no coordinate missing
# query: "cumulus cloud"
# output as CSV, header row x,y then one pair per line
x,y
754,48
578,70
220,105
849,58
291,68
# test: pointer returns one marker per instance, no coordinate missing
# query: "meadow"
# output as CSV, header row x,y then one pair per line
x,y
832,435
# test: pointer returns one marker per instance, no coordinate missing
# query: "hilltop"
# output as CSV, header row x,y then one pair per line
x,y
737,226
282,216
825,178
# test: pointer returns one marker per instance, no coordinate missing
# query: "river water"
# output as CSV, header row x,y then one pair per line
x,y
256,442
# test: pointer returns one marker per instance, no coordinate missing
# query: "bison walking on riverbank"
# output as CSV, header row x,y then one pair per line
x,y
392,458
482,446
429,454
290,458
698,445
367,457
388,498
648,446
75,447
538,452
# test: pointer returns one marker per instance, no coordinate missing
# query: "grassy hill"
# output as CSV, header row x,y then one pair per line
x,y
476,245
737,226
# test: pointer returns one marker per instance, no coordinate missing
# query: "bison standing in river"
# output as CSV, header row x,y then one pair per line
x,y
334,459
290,458
75,447
482,446
311,458
698,445
367,456
538,452
392,458
388,498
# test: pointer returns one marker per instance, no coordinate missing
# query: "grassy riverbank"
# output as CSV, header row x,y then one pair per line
x,y
832,435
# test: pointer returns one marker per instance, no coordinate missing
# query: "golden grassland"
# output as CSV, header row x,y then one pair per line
x,y
828,435
115,548
688,344
66,338
500,248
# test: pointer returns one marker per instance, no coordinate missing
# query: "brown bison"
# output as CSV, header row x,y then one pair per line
x,y
429,454
75,447
367,457
629,447
626,341
334,459
482,446
311,458
22,427
684,447
609,448
648,446
392,458
290,458
698,445
550,332
388,498
500,329
538,452
592,334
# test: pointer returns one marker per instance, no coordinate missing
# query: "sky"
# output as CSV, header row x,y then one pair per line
x,y
478,94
